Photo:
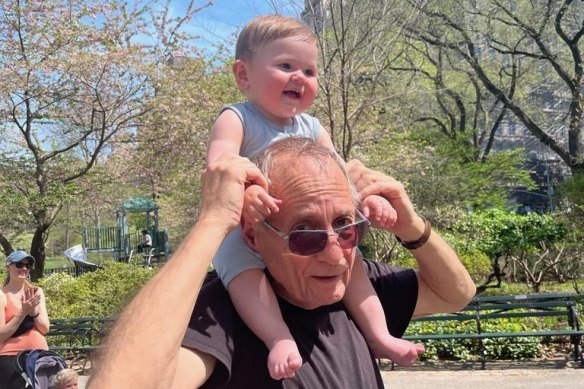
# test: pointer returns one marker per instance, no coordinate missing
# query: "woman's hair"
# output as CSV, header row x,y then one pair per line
x,y
27,283
63,378
264,29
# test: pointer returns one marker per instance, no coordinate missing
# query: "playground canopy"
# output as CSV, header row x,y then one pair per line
x,y
138,205
119,240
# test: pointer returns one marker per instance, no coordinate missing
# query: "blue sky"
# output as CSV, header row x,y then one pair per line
x,y
221,21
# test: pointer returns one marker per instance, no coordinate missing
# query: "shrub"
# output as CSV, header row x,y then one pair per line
x,y
101,293
470,349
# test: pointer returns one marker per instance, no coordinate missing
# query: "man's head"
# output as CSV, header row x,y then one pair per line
x,y
316,195
276,66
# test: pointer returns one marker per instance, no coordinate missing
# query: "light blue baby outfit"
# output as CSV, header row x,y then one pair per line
x,y
234,255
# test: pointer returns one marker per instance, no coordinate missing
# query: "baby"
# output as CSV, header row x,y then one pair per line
x,y
276,68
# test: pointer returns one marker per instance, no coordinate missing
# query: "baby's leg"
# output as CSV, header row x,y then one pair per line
x,y
255,301
365,307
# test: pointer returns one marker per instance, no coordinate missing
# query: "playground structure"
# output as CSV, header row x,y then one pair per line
x,y
121,242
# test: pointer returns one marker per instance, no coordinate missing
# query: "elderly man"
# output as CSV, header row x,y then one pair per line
x,y
210,346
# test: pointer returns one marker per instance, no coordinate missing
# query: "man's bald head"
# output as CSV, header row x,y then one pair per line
x,y
278,159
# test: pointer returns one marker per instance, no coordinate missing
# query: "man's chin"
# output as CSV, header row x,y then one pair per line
x,y
330,299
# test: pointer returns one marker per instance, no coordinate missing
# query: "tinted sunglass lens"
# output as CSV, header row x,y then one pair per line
x,y
348,236
20,265
307,243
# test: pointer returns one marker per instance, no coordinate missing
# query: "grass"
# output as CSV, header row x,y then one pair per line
x,y
57,262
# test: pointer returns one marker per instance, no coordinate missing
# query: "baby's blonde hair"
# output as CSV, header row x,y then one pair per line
x,y
264,29
64,378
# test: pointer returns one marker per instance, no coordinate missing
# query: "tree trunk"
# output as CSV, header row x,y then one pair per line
x,y
37,250
6,246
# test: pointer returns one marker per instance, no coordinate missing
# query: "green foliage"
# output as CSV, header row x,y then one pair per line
x,y
474,260
497,232
573,191
100,293
454,174
470,349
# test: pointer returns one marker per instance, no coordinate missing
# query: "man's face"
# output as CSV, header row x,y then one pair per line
x,y
312,198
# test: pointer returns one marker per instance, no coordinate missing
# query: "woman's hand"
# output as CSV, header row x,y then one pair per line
x,y
30,301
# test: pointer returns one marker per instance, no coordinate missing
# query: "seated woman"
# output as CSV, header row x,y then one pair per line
x,y
23,317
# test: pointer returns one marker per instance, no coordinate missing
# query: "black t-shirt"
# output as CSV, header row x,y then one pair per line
x,y
334,352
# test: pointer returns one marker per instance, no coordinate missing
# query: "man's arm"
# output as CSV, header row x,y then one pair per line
x,y
444,285
143,349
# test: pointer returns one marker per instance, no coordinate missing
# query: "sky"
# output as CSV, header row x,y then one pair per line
x,y
220,22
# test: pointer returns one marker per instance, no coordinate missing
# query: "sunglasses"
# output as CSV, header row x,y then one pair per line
x,y
20,265
310,242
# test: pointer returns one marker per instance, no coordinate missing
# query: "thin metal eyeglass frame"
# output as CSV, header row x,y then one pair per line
x,y
334,231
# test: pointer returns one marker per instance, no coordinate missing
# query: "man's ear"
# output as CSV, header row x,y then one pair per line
x,y
241,74
248,233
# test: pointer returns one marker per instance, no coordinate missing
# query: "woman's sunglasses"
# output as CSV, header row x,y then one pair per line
x,y
20,265
310,242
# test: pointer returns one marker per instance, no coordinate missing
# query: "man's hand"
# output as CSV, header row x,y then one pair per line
x,y
370,182
258,205
224,183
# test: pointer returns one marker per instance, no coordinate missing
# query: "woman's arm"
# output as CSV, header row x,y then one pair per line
x,y
41,322
8,328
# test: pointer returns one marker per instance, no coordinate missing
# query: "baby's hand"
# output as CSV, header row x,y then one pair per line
x,y
258,204
379,211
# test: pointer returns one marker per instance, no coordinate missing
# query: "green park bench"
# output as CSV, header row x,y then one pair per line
x,y
77,338
473,322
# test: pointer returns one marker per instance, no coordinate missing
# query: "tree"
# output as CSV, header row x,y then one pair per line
x,y
73,86
538,48
173,137
357,42
512,239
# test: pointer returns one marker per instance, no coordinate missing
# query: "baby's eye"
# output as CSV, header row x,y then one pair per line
x,y
285,66
310,73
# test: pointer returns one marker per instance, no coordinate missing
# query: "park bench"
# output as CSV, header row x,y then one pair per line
x,y
77,338
475,320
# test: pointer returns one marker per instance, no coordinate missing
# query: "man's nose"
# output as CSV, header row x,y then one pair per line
x,y
332,253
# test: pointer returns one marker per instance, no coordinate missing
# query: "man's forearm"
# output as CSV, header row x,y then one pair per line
x,y
150,330
445,285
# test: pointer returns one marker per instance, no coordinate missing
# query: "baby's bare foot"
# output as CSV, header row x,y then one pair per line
x,y
284,359
401,351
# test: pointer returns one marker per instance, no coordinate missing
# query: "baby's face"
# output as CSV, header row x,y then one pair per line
x,y
282,78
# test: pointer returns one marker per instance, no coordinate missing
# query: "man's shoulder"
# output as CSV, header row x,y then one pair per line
x,y
213,305
213,287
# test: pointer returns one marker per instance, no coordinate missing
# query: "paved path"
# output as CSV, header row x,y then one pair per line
x,y
550,375
485,379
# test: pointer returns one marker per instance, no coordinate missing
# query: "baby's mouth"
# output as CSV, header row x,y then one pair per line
x,y
293,94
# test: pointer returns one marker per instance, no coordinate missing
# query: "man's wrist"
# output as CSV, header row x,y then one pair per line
x,y
421,240
34,316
